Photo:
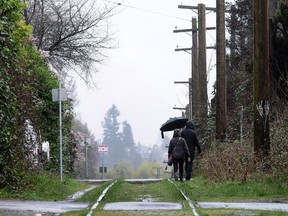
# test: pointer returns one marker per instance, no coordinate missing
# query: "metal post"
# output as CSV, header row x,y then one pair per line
x,y
86,163
60,126
102,165
241,124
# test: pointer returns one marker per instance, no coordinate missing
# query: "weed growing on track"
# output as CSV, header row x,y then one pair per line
x,y
149,191
162,191
92,195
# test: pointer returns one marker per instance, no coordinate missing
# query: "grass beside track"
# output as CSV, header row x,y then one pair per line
x,y
44,187
199,189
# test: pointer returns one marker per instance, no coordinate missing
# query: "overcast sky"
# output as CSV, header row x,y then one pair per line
x,y
138,77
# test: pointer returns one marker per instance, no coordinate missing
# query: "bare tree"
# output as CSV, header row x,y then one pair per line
x,y
74,34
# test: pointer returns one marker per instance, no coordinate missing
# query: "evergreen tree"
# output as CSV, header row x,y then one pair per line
x,y
240,67
113,137
279,52
239,64
128,139
130,146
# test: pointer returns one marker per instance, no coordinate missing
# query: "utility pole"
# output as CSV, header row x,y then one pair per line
x,y
203,109
198,66
221,79
189,111
195,72
261,80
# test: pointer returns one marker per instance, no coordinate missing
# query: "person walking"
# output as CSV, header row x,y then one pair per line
x,y
179,150
190,136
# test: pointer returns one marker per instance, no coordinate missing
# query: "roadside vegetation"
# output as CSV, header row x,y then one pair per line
x,y
44,186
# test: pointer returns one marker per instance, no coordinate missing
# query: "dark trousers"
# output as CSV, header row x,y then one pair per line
x,y
178,164
189,167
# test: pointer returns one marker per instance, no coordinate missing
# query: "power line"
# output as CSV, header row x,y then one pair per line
x,y
146,10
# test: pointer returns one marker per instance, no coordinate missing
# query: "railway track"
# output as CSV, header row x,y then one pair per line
x,y
145,204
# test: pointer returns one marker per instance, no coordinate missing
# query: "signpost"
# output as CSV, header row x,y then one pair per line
x,y
102,149
87,142
60,95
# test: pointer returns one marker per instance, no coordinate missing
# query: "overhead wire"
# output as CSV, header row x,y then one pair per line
x,y
154,12
157,13
146,10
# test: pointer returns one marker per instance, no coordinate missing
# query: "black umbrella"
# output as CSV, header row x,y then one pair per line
x,y
173,123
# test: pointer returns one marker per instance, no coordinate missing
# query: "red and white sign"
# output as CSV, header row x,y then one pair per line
x,y
102,148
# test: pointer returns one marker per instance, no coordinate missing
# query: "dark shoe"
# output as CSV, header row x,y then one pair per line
x,y
181,176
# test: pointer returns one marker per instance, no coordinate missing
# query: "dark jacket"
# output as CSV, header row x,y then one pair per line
x,y
178,146
190,137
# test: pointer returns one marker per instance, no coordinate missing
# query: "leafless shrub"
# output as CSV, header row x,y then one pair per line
x,y
236,161
279,143
228,161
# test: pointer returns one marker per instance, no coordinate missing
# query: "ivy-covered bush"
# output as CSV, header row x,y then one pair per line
x,y
28,116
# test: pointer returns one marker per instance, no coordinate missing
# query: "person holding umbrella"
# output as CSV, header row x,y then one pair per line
x,y
192,141
179,150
